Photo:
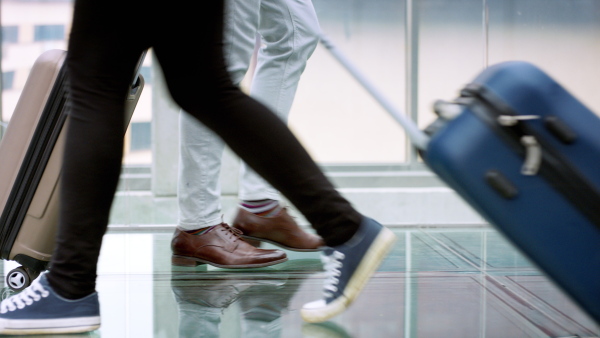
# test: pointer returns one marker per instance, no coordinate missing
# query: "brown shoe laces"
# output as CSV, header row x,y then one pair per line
x,y
233,232
288,212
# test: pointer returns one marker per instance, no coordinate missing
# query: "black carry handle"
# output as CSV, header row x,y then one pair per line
x,y
136,74
137,84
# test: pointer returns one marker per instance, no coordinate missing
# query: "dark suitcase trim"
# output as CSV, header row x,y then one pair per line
x,y
557,171
52,119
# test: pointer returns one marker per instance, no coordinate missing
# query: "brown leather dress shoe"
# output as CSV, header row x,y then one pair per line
x,y
222,247
280,230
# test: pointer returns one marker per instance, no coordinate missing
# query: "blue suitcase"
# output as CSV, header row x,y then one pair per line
x,y
525,154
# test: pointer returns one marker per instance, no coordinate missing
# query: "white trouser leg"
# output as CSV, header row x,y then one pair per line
x,y
289,32
201,151
199,189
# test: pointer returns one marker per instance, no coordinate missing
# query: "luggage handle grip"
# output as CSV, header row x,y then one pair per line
x,y
418,138
135,79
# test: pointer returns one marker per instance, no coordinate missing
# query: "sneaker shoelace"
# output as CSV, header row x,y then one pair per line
x,y
32,294
332,265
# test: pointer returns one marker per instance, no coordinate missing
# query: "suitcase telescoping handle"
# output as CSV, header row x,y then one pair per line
x,y
417,137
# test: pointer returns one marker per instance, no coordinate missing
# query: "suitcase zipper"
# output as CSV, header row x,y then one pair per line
x,y
533,153
511,120
538,156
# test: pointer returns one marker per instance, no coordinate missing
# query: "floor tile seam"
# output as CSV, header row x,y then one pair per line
x,y
515,289
446,251
546,308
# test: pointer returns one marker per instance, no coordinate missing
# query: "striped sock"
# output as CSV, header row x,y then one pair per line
x,y
262,208
199,231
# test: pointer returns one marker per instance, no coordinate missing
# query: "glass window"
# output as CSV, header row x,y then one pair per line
x,y
10,34
49,32
8,80
140,136
146,72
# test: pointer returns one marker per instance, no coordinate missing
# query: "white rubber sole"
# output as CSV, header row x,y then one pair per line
x,y
48,326
370,263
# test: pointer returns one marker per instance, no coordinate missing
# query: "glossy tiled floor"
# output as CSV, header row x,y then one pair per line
x,y
436,283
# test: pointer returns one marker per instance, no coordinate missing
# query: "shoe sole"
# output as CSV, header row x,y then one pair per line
x,y
255,241
49,326
193,262
370,263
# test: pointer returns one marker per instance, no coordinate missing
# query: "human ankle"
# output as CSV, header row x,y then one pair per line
x,y
199,231
66,294
263,208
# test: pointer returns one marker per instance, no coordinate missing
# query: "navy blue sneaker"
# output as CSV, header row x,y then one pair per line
x,y
39,310
348,268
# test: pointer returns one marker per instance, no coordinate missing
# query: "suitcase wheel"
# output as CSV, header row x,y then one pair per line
x,y
20,278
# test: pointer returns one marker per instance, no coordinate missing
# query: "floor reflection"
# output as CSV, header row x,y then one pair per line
x,y
436,282
254,300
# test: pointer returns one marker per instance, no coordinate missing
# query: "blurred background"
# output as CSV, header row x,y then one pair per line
x,y
414,51
450,274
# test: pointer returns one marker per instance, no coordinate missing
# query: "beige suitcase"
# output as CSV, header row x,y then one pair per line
x,y
30,165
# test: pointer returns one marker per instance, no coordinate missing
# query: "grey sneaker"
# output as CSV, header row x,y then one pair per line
x,y
348,268
39,310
